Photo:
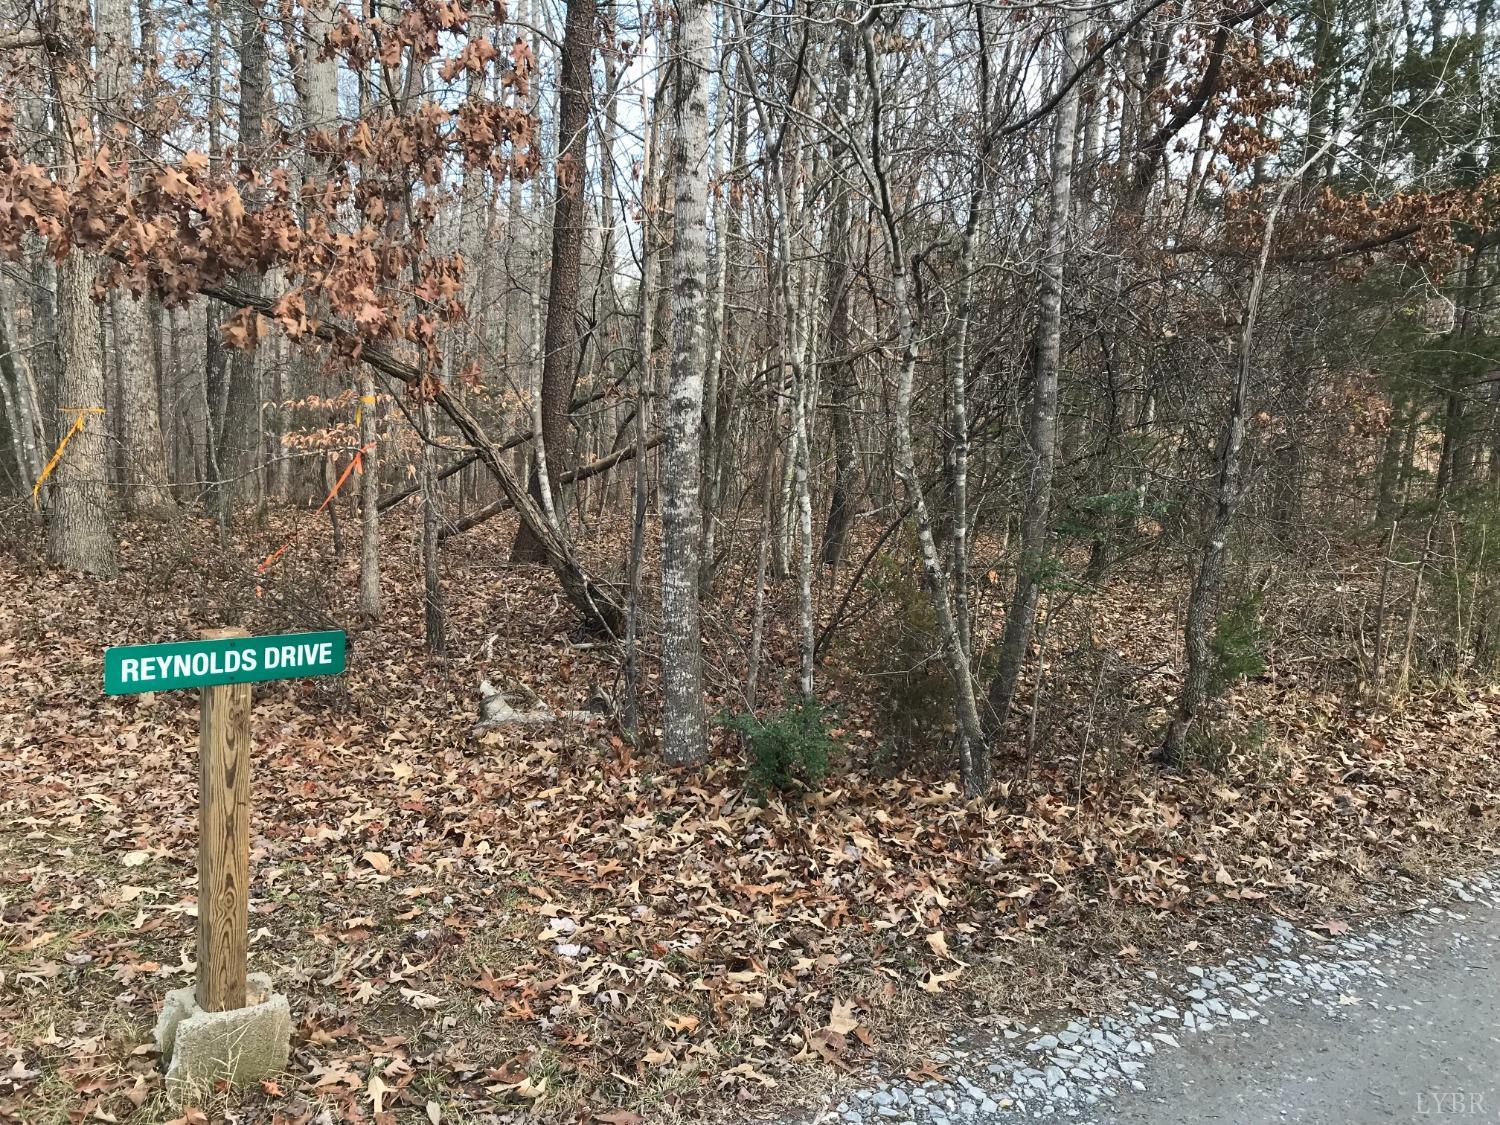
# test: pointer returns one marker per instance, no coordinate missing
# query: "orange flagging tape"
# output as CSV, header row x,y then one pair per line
x,y
355,465
80,413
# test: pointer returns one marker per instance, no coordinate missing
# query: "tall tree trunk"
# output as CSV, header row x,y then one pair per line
x,y
20,401
369,495
837,364
1453,462
16,471
713,436
1043,431
645,333
240,462
683,734
973,761
1209,577
144,454
81,528
570,218
215,362
434,617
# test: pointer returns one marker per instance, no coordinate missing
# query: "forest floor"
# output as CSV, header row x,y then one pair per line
x,y
542,920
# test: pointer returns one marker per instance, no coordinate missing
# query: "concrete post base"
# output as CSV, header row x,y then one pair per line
x,y
243,1045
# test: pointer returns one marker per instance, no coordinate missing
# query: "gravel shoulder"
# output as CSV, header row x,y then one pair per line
x,y
1418,1043
1397,1023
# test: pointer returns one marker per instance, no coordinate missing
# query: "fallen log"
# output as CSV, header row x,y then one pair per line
x,y
395,496
599,603
583,472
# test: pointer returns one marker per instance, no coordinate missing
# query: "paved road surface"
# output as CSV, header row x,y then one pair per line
x,y
1364,1064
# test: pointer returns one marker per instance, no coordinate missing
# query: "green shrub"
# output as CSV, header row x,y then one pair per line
x,y
789,749
1238,643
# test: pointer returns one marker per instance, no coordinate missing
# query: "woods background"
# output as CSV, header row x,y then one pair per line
x,y
909,327
850,519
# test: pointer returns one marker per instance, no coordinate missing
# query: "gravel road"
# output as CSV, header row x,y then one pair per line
x,y
1424,1047
1398,1024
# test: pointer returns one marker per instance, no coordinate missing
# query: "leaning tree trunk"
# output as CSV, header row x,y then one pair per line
x,y
1043,433
683,735
1210,573
973,762
599,604
569,221
81,528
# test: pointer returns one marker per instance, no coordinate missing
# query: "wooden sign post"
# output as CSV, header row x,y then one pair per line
x,y
217,1031
223,841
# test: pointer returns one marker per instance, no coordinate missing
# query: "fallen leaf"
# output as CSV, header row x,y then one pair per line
x,y
421,1001
377,1088
843,1020
934,982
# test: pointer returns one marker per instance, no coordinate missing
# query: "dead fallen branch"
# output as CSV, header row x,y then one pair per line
x,y
583,472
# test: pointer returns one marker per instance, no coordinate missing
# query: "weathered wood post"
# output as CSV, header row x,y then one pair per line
x,y
223,840
230,1027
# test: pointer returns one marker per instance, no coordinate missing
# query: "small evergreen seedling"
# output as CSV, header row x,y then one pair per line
x,y
1237,644
789,749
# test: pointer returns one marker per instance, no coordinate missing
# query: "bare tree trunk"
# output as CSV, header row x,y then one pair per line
x,y
793,338
20,402
836,363
81,527
144,454
713,437
683,733
1210,573
369,495
762,565
645,331
1043,434
434,618
241,433
973,761
570,218
215,366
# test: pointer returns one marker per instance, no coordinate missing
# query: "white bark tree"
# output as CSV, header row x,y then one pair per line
x,y
1043,423
684,738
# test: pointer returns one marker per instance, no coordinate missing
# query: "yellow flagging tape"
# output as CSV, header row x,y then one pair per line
x,y
359,411
80,413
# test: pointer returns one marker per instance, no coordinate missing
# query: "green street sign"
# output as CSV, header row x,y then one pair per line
x,y
235,660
